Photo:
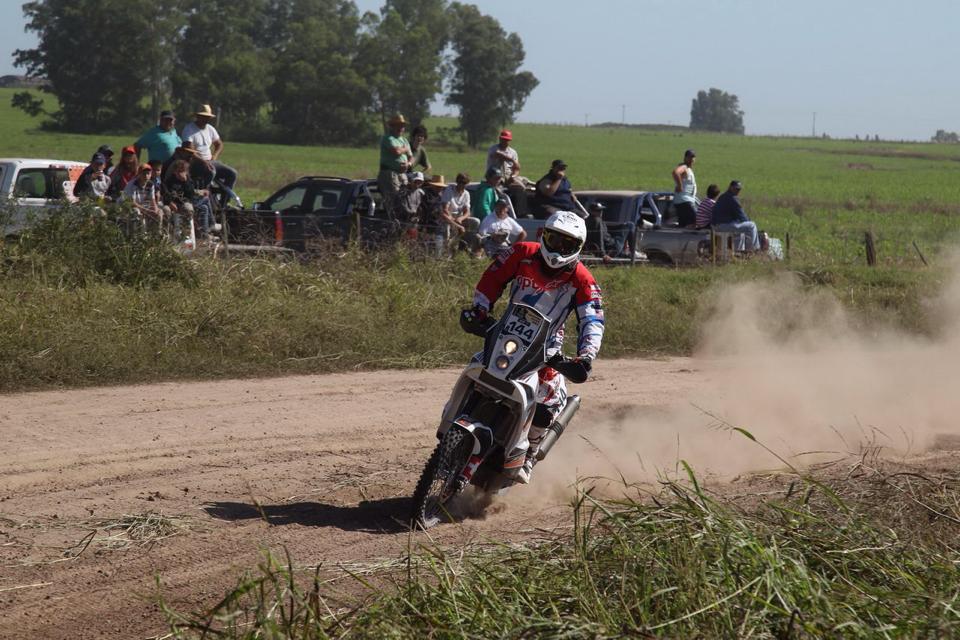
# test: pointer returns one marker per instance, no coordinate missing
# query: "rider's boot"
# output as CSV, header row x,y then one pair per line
x,y
541,420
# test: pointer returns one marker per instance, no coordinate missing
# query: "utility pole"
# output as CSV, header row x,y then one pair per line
x,y
586,117
814,124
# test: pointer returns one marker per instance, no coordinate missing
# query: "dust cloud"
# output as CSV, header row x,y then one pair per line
x,y
796,371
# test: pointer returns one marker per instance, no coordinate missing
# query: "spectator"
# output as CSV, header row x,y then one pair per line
x,y
685,190
504,157
409,199
93,181
143,195
394,161
208,145
107,152
705,210
729,216
161,140
185,199
432,224
456,212
499,231
487,195
599,239
125,172
418,153
554,192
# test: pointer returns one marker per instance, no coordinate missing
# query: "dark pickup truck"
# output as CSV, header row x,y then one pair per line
x,y
311,211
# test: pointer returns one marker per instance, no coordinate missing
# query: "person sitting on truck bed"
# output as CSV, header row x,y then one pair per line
x,y
554,192
94,181
184,199
599,240
705,210
729,216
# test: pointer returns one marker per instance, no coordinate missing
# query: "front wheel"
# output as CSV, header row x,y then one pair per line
x,y
440,481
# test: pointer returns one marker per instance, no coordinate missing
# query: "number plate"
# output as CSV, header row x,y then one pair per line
x,y
521,325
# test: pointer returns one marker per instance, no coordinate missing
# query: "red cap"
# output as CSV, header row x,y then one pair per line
x,y
131,150
506,135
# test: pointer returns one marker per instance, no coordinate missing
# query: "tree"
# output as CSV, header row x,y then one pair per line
x,y
318,92
486,84
402,53
716,110
93,54
945,136
218,62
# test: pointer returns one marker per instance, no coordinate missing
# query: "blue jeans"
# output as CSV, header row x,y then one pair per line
x,y
744,229
226,175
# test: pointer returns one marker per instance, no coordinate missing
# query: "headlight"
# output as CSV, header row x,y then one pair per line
x,y
503,362
509,347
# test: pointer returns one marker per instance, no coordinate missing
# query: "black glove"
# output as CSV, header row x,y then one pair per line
x,y
576,370
476,321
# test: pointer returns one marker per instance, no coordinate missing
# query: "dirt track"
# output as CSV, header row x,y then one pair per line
x,y
331,460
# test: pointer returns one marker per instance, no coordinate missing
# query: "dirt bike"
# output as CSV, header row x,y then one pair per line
x,y
492,402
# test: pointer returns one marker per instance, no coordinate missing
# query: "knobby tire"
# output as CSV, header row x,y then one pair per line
x,y
438,482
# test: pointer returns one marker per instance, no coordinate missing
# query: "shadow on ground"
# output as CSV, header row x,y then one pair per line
x,y
373,516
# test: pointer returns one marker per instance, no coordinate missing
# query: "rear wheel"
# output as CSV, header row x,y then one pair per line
x,y
440,481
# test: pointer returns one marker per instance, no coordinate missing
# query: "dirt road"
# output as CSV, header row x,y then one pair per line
x,y
321,465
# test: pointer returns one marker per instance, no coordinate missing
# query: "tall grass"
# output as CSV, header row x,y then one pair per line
x,y
862,550
82,303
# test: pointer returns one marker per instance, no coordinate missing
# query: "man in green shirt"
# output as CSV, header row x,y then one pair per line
x,y
394,161
486,196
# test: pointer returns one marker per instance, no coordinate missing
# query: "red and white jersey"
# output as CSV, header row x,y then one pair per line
x,y
554,294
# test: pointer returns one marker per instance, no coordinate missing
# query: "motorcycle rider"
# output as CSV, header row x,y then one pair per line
x,y
548,276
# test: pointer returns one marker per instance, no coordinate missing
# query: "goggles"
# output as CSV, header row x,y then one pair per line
x,y
561,243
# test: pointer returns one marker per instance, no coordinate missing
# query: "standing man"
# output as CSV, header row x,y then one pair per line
x,y
554,192
208,144
161,140
729,216
394,161
685,190
504,157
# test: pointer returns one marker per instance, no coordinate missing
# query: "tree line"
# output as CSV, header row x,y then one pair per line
x,y
303,71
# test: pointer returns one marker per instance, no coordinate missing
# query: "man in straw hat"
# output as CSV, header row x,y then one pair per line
x,y
394,160
206,141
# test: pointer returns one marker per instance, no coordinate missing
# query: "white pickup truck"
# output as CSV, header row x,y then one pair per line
x,y
30,187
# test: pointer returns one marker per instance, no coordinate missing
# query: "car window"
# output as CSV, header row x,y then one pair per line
x,y
614,206
57,179
291,197
327,199
31,183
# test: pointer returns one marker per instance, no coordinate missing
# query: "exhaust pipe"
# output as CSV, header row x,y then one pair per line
x,y
555,430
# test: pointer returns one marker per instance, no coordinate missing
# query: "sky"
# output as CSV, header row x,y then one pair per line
x,y
865,67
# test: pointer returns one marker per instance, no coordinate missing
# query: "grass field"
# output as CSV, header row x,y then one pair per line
x,y
824,193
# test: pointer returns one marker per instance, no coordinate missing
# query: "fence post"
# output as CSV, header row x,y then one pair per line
x,y
787,246
871,249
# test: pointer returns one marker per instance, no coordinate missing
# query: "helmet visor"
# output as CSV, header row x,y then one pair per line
x,y
560,242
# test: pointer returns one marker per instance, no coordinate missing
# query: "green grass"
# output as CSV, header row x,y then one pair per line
x,y
860,550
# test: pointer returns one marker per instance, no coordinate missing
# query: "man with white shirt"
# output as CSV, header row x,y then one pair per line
x,y
208,145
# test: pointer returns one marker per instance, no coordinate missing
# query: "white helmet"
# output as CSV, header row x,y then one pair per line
x,y
562,239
